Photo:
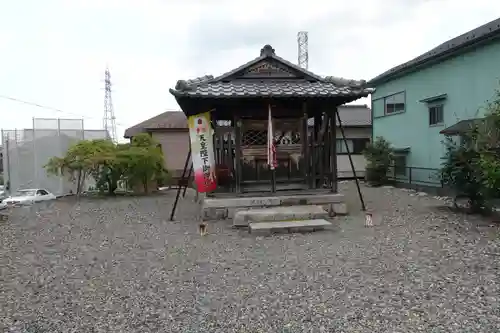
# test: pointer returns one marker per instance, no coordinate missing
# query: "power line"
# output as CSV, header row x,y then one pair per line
x,y
49,108
65,112
32,104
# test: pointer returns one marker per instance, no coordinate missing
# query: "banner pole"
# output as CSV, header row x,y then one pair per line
x,y
271,150
179,187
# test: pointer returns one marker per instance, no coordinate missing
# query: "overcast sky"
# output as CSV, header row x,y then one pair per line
x,y
54,52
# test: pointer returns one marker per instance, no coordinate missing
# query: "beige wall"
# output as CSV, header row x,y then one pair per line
x,y
344,169
175,147
355,132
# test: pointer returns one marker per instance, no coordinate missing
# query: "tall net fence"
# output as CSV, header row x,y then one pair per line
x,y
27,151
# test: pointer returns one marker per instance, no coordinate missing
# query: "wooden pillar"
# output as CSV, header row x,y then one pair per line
x,y
321,149
215,138
271,122
230,159
237,155
305,145
333,152
315,147
217,150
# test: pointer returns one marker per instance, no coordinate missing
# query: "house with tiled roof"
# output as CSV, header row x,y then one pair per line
x,y
440,92
170,130
243,102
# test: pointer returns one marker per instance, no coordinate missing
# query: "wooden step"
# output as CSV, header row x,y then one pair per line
x,y
289,226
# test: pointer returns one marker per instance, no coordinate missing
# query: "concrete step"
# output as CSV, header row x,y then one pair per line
x,y
227,207
290,226
291,213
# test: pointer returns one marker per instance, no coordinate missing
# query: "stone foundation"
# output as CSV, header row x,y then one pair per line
x,y
223,208
279,213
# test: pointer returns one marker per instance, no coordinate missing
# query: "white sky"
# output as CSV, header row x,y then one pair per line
x,y
54,52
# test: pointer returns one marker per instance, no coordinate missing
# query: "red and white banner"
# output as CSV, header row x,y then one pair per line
x,y
271,147
202,150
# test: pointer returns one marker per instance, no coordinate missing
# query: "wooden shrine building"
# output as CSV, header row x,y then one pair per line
x,y
303,107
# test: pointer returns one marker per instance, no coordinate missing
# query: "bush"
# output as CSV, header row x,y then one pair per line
x,y
461,171
138,163
472,167
379,156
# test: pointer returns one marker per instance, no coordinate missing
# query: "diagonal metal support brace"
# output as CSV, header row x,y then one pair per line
x,y
363,207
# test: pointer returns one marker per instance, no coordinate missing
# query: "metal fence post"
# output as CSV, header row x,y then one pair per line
x,y
35,166
5,162
409,174
17,181
61,154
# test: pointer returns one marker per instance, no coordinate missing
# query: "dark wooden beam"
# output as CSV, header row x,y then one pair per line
x,y
231,158
237,147
315,149
326,152
257,107
322,144
213,123
305,145
333,152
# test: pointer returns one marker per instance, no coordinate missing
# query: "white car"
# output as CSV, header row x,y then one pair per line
x,y
28,197
3,205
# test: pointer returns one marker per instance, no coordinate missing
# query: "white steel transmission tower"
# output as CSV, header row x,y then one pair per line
x,y
109,120
303,52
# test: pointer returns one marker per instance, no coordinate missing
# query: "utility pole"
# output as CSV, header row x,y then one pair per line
x,y
109,120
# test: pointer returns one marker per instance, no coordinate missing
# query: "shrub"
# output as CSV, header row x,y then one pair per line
x,y
379,156
138,163
472,167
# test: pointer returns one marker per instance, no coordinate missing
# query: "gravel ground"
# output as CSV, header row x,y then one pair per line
x,y
119,265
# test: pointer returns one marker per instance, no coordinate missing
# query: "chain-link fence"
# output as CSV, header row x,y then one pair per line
x,y
26,151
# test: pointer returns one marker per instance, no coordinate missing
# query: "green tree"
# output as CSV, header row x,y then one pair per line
x,y
143,162
83,159
108,166
488,138
461,171
471,167
77,163
139,162
379,156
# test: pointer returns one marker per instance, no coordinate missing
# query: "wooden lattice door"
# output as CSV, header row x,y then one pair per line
x,y
254,151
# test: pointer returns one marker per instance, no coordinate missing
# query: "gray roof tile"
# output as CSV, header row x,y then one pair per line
x,y
453,45
463,126
352,115
170,120
271,89
355,115
308,86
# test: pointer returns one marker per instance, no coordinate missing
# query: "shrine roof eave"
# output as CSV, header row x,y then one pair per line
x,y
192,105
276,93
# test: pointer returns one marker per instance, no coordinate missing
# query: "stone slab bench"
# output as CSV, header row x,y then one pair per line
x,y
222,208
244,217
289,226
